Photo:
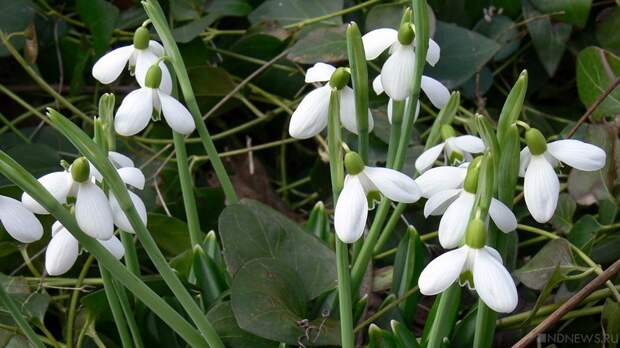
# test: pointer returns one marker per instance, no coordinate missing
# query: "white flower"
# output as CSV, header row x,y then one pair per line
x,y
456,206
18,221
136,109
464,145
310,117
362,181
109,67
63,250
436,92
541,186
441,178
483,266
397,71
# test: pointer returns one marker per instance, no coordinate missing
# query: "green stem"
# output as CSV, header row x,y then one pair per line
x,y
129,315
115,307
342,253
156,14
390,226
19,319
25,181
73,302
445,317
187,189
398,109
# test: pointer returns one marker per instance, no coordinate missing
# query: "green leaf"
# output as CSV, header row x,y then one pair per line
x,y
33,305
267,301
171,234
15,16
575,11
39,159
607,24
549,39
535,274
322,44
223,320
408,264
292,11
563,216
100,16
596,70
251,230
504,31
583,232
191,30
556,278
210,81
611,322
463,52
390,15
238,8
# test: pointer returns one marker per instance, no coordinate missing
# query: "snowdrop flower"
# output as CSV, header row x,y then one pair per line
x,y
139,57
436,92
92,211
365,183
541,186
456,148
18,221
456,205
474,264
397,71
152,99
441,178
63,250
310,117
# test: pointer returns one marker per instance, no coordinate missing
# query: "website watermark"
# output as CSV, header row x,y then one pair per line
x,y
577,338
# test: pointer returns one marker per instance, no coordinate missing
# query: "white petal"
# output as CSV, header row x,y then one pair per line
x,y
156,48
109,67
56,227
144,60
503,217
18,221
132,176
61,253
541,188
351,211
440,178
135,112
120,219
468,143
320,72
176,115
393,184
524,160
348,115
310,117
493,283
433,53
577,154
428,158
439,202
454,221
92,212
119,160
377,86
58,184
435,91
442,272
377,41
397,72
114,246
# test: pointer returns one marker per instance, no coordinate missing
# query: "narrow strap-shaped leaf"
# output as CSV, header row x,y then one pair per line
x,y
359,78
512,107
445,116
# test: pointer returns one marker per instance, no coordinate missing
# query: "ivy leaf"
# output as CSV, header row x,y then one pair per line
x,y
596,71
100,16
322,44
292,11
554,255
575,11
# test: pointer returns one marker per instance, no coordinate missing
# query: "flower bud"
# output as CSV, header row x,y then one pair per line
x,y
340,78
353,163
475,236
535,141
405,34
447,131
153,76
80,170
141,38
473,173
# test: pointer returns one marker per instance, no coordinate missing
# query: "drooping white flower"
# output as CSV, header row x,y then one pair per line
x,y
460,146
397,71
478,266
541,186
138,57
310,117
441,178
364,183
63,250
18,221
139,106
436,92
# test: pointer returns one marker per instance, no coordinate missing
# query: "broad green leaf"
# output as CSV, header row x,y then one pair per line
x,y
535,274
611,322
268,301
575,11
210,81
236,8
583,232
322,44
223,320
463,52
563,216
171,234
607,29
596,70
607,211
100,16
504,31
187,32
15,16
251,230
390,15
39,159
556,278
292,11
33,305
